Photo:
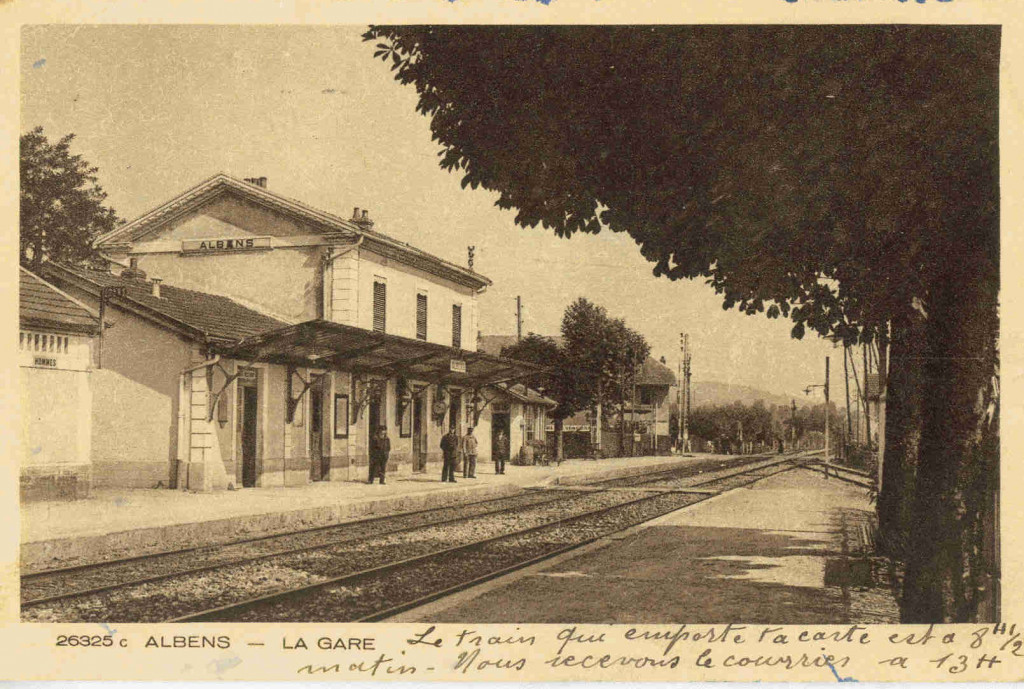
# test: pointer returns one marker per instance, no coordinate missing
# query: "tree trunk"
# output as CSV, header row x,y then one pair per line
x,y
904,391
559,454
951,572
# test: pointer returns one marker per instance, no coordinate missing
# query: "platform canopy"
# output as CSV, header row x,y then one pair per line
x,y
328,345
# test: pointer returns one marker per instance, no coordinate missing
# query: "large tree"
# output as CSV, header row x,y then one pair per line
x,y
844,177
561,382
62,203
605,356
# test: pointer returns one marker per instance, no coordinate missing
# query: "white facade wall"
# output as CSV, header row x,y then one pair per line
x,y
403,284
56,428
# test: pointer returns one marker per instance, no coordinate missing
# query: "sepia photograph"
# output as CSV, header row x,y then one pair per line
x,y
510,324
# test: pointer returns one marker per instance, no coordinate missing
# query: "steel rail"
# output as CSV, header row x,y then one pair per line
x,y
34,602
245,541
217,613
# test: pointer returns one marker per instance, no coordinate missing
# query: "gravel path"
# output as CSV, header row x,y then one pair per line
x,y
360,596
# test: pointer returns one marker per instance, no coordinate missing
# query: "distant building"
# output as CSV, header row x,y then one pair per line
x,y
522,413
259,341
55,352
655,386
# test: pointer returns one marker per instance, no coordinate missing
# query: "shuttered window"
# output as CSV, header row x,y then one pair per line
x,y
457,326
421,316
380,306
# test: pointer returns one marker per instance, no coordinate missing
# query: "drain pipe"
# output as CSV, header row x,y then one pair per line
x,y
182,436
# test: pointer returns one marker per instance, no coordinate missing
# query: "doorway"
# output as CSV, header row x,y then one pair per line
x,y
500,424
319,464
455,412
376,419
249,425
419,440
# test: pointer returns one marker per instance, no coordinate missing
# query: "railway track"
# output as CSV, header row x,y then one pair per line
x,y
379,592
59,584
692,475
38,588
188,584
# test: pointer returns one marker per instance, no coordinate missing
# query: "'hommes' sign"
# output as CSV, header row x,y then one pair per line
x,y
224,244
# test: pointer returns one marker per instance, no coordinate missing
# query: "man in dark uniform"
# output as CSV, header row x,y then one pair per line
x,y
449,446
380,449
500,452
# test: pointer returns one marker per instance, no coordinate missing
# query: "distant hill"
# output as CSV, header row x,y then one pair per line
x,y
708,393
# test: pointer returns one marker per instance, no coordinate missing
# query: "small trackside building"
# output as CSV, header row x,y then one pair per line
x,y
254,341
55,350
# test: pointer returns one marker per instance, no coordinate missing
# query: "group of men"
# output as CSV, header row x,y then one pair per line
x,y
451,445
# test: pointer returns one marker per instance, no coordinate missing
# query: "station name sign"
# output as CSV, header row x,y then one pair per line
x,y
205,246
457,365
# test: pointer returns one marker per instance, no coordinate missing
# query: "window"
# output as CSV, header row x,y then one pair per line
x,y
380,306
340,416
457,326
421,316
529,421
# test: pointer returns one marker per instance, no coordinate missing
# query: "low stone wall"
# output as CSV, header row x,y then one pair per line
x,y
55,482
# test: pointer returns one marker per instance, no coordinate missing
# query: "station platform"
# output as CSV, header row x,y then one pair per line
x,y
789,549
115,523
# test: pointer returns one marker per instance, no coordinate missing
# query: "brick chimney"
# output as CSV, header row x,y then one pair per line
x,y
156,287
363,220
260,182
133,272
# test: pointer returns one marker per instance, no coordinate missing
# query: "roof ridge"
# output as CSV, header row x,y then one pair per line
x,y
323,216
85,307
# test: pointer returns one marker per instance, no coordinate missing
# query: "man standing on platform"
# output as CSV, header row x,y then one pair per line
x,y
380,449
449,446
500,452
469,446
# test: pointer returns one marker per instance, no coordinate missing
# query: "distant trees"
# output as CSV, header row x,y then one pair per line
x,y
760,425
62,204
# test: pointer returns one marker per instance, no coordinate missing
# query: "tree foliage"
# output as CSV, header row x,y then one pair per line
x,y
560,383
792,167
603,353
62,203
844,177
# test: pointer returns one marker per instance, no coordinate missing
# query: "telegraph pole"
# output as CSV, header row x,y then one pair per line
x,y
519,318
826,411
679,406
689,396
684,390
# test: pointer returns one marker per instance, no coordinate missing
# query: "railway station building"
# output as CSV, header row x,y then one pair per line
x,y
252,340
55,350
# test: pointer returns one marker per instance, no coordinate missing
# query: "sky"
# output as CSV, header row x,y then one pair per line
x,y
160,108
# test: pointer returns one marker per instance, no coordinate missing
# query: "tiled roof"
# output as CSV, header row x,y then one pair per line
x,y
205,315
42,305
653,372
525,394
493,344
